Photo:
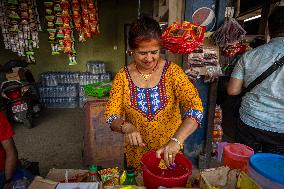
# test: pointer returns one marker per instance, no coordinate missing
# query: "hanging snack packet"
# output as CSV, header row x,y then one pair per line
x,y
183,38
110,176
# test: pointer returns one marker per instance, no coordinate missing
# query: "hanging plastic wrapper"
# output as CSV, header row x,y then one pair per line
x,y
201,61
86,21
235,49
63,18
183,38
192,74
53,20
20,24
212,73
229,33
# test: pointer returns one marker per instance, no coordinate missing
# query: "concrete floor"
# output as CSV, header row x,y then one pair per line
x,y
55,142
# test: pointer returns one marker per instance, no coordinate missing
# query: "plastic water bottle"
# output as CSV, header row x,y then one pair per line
x,y
93,174
130,176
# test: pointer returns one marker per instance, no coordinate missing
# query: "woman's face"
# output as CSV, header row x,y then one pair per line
x,y
147,54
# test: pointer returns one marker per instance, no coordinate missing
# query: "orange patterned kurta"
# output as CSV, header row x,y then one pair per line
x,y
155,128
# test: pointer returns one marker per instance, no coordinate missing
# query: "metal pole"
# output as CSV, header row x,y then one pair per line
x,y
139,6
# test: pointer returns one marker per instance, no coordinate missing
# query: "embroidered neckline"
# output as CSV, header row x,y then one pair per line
x,y
129,78
162,91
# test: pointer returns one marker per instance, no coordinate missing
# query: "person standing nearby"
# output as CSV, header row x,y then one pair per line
x,y
262,109
8,153
10,168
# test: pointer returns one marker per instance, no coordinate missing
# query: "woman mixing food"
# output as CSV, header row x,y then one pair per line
x,y
147,96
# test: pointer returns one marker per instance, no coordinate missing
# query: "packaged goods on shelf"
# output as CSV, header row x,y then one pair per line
x,y
66,89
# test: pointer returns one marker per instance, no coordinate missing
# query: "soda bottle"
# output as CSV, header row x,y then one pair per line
x,y
130,176
93,174
217,133
217,130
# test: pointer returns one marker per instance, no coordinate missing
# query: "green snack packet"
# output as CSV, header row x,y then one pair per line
x,y
98,89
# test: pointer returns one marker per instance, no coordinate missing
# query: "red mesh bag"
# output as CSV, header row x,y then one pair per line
x,y
229,33
183,38
236,49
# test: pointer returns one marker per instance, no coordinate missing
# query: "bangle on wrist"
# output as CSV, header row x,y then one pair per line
x,y
181,145
120,127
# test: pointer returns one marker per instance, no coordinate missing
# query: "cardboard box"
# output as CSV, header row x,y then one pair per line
x,y
81,185
13,76
92,98
41,183
98,137
59,175
161,187
124,187
54,177
16,69
226,178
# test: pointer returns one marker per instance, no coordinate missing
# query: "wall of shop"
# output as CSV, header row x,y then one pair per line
x,y
113,14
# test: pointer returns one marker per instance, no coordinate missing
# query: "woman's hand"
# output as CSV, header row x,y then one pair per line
x,y
169,152
132,135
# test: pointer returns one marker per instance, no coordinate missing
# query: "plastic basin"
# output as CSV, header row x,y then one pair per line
x,y
267,170
236,156
154,177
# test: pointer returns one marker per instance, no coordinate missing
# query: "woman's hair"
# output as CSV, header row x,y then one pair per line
x,y
276,21
143,28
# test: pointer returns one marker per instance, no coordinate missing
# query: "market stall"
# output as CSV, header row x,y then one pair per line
x,y
208,43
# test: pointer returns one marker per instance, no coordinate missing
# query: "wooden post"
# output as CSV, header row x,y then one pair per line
x,y
156,10
264,17
237,6
163,8
176,11
176,14
205,157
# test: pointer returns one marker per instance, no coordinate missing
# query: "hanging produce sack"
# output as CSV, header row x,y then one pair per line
x,y
235,49
229,33
183,38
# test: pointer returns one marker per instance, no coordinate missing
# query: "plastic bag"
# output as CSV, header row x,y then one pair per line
x,y
236,49
212,73
229,33
99,89
183,38
109,176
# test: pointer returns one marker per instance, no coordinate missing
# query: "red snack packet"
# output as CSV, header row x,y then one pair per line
x,y
75,5
183,38
64,4
67,46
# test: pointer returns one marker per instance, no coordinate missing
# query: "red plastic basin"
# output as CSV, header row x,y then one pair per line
x,y
236,156
154,177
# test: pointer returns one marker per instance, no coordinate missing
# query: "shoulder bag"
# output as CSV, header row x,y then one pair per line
x,y
277,64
